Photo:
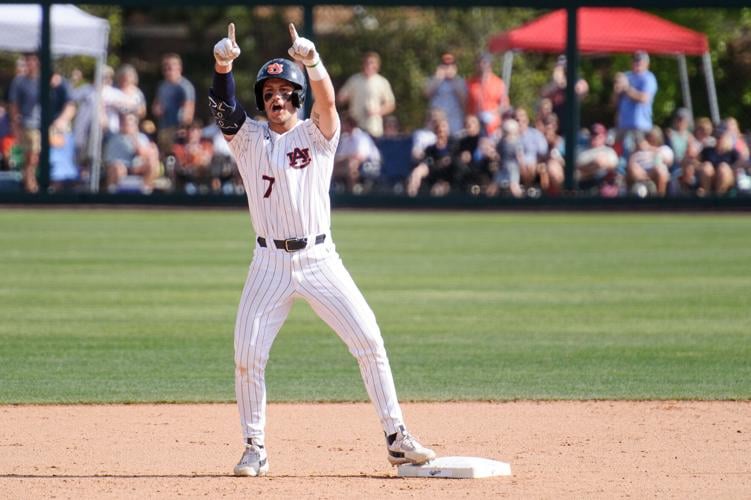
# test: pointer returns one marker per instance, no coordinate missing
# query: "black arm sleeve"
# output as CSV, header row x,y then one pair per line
x,y
227,112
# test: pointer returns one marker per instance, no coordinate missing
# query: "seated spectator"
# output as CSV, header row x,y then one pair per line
x,y
436,171
552,174
543,112
225,177
678,135
395,148
596,164
511,157
695,176
739,142
535,150
704,133
133,100
724,158
357,163
129,153
425,136
648,164
474,157
743,167
193,154
6,137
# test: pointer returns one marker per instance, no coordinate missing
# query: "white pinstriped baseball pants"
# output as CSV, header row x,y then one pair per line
x,y
317,275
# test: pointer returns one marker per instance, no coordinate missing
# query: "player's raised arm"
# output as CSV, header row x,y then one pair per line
x,y
227,112
324,106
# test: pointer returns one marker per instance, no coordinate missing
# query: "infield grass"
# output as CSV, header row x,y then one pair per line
x,y
124,305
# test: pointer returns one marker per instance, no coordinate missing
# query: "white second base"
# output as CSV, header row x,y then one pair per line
x,y
456,467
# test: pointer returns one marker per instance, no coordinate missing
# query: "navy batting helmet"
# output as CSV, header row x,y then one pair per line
x,y
285,70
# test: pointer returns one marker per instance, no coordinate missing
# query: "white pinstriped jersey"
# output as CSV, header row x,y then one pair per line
x,y
286,178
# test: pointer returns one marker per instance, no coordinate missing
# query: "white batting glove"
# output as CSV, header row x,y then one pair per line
x,y
302,49
226,50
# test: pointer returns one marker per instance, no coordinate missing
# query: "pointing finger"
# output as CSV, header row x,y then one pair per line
x,y
231,32
293,32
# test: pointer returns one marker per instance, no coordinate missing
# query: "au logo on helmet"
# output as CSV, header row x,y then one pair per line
x,y
274,69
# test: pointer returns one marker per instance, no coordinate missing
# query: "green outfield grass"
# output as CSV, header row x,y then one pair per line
x,y
118,306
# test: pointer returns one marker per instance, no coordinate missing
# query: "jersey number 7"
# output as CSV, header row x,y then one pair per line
x,y
271,184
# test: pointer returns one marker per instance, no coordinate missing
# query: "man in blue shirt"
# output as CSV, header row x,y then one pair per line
x,y
174,103
635,92
26,115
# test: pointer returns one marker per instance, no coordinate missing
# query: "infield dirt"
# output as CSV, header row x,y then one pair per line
x,y
603,449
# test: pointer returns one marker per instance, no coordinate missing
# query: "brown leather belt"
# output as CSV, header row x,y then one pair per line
x,y
291,244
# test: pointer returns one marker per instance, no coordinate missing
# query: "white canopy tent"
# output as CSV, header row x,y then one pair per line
x,y
73,32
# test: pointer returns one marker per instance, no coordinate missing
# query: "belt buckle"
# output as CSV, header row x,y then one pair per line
x,y
304,242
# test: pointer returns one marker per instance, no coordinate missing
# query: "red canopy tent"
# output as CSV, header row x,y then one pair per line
x,y
604,30
608,30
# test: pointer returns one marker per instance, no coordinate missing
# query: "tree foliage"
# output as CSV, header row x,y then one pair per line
x,y
410,40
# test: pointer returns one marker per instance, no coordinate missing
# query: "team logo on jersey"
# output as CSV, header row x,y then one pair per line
x,y
299,158
274,69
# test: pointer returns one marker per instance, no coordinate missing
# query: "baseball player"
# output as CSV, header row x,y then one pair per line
x,y
286,166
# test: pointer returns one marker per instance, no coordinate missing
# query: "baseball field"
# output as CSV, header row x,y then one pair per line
x,y
603,355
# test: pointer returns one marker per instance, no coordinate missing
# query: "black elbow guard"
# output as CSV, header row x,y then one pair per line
x,y
229,117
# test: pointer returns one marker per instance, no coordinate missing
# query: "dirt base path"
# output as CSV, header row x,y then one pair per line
x,y
556,450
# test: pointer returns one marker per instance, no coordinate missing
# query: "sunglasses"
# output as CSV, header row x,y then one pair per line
x,y
285,94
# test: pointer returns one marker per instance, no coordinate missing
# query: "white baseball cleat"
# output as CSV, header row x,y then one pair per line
x,y
404,449
254,461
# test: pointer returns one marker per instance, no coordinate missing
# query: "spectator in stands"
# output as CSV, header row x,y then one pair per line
x,y
391,127
357,163
596,164
510,157
678,135
225,177
552,172
447,91
555,90
474,157
535,150
175,101
368,95
724,158
129,153
437,171
742,169
704,133
647,171
113,103
634,93
425,136
395,148
26,114
543,112
730,125
84,97
64,172
193,154
695,176
126,79
486,95
6,136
